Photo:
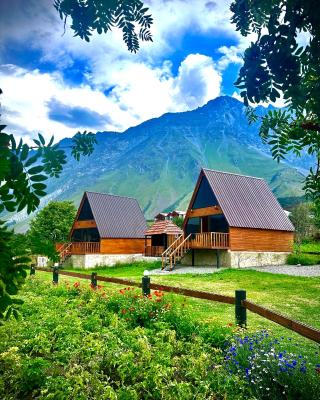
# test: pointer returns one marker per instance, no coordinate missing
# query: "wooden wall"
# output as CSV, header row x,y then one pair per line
x,y
122,246
244,239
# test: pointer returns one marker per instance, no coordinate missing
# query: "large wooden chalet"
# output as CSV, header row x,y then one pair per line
x,y
106,224
232,217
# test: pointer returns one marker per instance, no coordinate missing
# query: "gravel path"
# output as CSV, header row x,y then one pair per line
x,y
304,270
312,270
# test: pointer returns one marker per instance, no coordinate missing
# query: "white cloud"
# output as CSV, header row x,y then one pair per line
x,y
140,92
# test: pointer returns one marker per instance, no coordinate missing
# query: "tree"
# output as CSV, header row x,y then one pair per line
x,y
51,225
178,221
274,64
23,172
101,16
12,274
302,221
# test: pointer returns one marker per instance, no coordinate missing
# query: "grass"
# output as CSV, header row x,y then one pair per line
x,y
296,297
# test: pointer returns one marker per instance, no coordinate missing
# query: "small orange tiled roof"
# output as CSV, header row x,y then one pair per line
x,y
161,227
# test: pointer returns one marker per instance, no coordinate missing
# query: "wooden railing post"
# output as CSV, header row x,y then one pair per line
x,y
145,284
32,269
240,310
94,280
55,275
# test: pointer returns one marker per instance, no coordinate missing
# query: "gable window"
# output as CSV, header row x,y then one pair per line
x,y
85,212
204,197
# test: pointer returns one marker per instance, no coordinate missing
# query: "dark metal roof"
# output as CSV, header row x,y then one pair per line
x,y
164,227
117,216
247,202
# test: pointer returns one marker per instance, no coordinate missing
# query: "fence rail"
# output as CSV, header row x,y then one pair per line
x,y
240,302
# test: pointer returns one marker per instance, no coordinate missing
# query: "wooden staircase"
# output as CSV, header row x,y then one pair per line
x,y
204,240
64,252
176,251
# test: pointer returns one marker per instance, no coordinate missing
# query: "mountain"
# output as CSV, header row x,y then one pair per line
x,y
159,160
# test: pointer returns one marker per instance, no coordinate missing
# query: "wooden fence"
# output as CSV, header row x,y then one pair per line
x,y
239,300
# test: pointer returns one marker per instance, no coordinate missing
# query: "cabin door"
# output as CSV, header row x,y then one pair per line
x,y
204,224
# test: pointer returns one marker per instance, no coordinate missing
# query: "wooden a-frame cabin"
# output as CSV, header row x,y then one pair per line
x,y
106,224
232,219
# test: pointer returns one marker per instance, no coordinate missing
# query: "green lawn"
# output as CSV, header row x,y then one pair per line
x,y
296,297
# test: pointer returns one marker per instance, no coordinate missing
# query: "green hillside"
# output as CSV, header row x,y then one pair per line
x,y
159,160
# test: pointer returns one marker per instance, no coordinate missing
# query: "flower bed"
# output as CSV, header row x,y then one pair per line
x,y
73,342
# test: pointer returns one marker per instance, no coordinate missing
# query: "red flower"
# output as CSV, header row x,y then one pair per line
x,y
121,291
230,324
76,285
158,300
123,311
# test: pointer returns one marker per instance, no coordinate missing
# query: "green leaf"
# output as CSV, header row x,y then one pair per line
x,y
31,160
38,178
41,139
36,170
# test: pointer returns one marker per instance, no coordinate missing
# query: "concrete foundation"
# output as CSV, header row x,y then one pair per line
x,y
90,261
235,259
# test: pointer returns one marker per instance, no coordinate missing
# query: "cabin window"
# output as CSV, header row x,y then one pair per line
x,y
85,235
218,223
159,240
204,197
85,212
193,225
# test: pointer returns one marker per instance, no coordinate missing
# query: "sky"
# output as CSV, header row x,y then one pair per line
x,y
57,84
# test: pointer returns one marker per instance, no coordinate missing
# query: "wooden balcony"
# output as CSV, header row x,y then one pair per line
x,y
209,240
85,248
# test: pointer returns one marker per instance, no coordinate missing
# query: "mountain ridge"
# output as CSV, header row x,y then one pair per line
x,y
158,161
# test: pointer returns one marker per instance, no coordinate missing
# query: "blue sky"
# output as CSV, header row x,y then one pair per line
x,y
55,83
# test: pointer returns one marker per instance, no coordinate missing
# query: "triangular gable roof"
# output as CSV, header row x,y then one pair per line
x,y
116,216
163,227
246,201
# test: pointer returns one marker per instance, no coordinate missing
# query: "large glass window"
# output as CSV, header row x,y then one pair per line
x,y
205,196
85,212
193,225
85,235
218,223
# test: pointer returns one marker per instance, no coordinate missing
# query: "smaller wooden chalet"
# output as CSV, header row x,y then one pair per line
x,y
176,214
106,224
230,216
160,236
161,216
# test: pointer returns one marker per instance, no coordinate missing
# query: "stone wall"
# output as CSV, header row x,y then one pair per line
x,y
235,259
89,261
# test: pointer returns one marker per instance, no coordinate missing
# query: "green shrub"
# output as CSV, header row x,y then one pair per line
x,y
303,259
77,343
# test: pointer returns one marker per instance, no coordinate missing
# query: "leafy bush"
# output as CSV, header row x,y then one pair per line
x,y
303,259
74,342
273,368
77,343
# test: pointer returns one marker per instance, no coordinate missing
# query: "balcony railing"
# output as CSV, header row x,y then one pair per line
x,y
209,240
85,248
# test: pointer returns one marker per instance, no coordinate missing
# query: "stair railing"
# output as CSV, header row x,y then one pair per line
x,y
173,245
64,251
179,251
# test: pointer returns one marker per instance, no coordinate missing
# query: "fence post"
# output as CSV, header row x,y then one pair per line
x,y
32,270
94,280
55,275
241,312
146,284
